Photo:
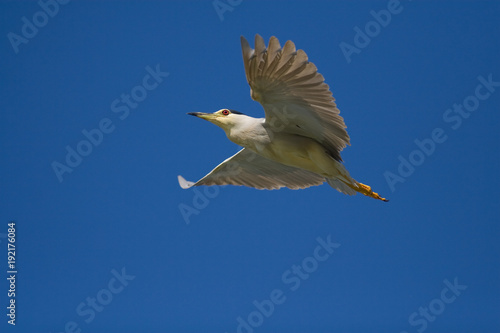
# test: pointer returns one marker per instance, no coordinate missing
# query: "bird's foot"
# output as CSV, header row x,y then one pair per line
x,y
367,190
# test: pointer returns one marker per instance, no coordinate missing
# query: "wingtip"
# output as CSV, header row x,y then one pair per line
x,y
244,43
183,183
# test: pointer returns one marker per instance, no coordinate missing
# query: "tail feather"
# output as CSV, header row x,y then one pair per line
x,y
340,186
344,183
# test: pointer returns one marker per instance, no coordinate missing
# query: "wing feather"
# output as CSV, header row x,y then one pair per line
x,y
290,88
247,168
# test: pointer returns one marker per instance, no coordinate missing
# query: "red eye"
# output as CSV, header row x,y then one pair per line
x,y
225,112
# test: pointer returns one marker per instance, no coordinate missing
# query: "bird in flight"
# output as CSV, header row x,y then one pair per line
x,y
298,143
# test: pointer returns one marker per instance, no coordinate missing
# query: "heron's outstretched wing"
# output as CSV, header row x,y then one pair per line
x,y
294,95
250,169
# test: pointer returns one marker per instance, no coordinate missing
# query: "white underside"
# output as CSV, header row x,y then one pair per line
x,y
307,154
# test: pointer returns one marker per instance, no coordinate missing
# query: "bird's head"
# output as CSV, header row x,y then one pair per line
x,y
224,118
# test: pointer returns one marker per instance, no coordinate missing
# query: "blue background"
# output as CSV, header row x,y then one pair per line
x,y
121,207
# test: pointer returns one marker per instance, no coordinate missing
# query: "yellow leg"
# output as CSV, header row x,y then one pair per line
x,y
366,190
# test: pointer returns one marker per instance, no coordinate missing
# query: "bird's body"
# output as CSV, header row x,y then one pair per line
x,y
293,150
298,143
289,149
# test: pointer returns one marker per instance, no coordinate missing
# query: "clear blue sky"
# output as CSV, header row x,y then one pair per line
x,y
102,244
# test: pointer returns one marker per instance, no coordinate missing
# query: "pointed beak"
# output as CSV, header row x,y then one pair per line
x,y
202,115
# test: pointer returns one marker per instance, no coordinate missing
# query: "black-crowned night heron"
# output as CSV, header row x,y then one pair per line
x,y
298,143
